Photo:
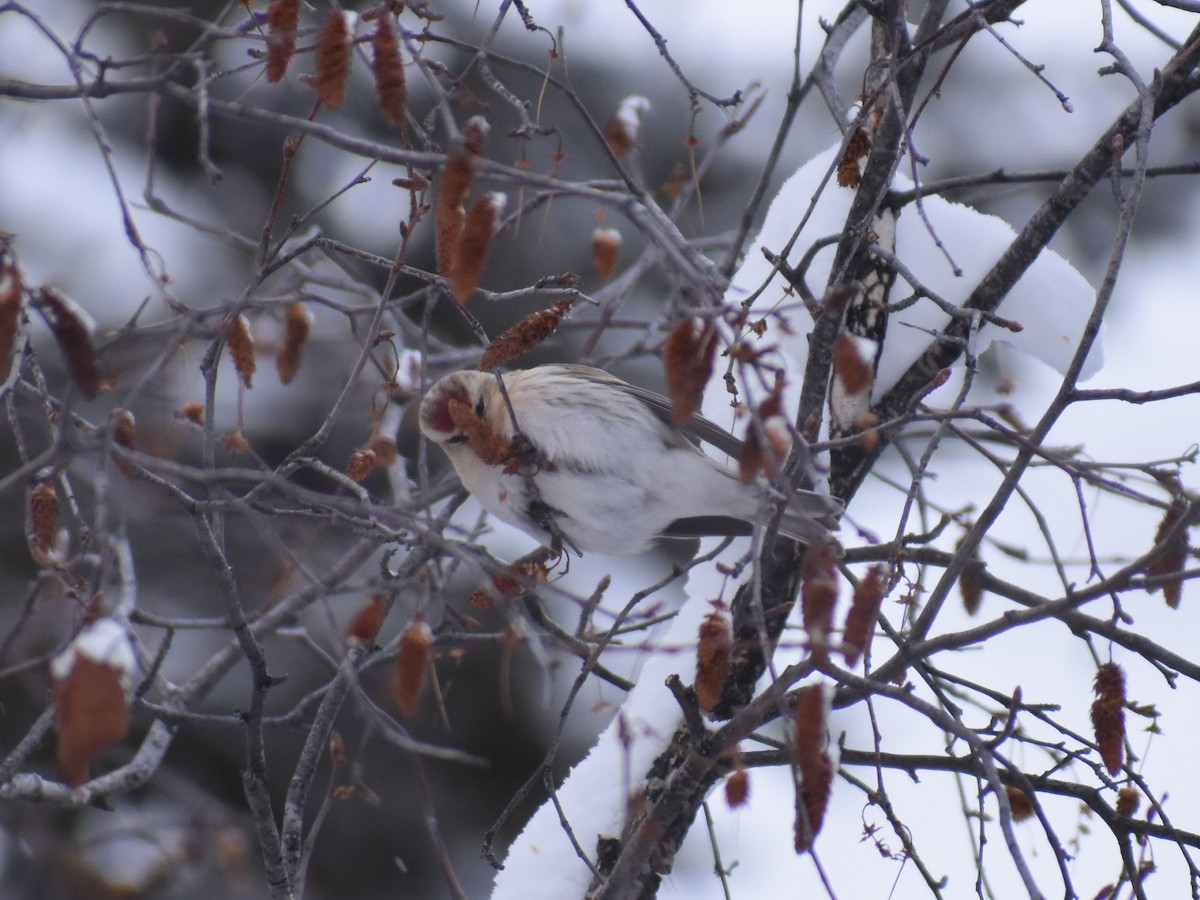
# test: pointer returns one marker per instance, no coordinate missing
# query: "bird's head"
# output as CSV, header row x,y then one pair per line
x,y
464,414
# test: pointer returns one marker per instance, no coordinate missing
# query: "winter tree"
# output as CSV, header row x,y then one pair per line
x,y
935,261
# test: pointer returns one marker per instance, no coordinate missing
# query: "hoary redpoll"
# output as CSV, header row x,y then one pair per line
x,y
595,464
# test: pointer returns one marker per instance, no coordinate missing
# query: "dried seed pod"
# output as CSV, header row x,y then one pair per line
x,y
850,388
1019,803
509,584
813,765
283,21
1175,558
361,464
524,336
337,749
1108,716
475,134
868,434
864,610
388,69
818,596
91,680
43,519
714,656
241,348
850,366
333,59
737,788
674,185
297,322
235,443
688,364
970,582
849,173
474,245
765,453
378,453
384,449
412,663
1128,801
12,312
483,597
625,126
606,248
73,329
124,434
367,621
448,210
193,412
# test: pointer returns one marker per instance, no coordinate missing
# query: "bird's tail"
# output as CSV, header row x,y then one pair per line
x,y
810,517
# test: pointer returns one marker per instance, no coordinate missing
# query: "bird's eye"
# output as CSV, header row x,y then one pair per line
x,y
480,407
457,439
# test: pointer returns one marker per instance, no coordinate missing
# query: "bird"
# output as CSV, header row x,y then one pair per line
x,y
572,455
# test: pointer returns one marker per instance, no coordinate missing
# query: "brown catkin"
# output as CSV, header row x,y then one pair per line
x,y
688,363
500,583
124,434
1019,803
624,127
12,295
241,348
714,655
385,450
193,412
848,172
1108,716
761,455
813,765
606,249
367,621
73,333
92,715
412,663
864,610
509,584
297,322
362,463
448,209
283,21
474,245
848,365
1128,801
43,517
475,134
333,60
524,336
818,596
388,69
618,137
970,582
737,789
1175,558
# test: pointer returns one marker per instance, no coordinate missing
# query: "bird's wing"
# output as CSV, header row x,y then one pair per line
x,y
699,427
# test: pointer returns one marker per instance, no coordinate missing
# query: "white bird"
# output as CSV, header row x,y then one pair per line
x,y
597,464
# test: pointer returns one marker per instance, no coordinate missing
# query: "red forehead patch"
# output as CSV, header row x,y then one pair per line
x,y
437,413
